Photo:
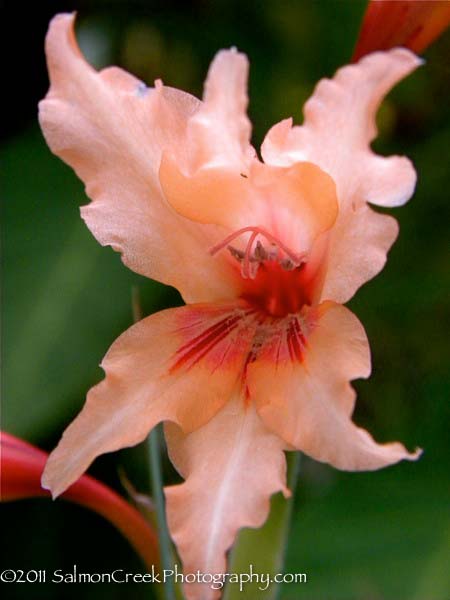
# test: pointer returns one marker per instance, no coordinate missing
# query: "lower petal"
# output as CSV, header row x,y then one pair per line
x,y
180,365
309,402
232,466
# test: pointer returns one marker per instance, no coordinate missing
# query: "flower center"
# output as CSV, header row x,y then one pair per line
x,y
277,280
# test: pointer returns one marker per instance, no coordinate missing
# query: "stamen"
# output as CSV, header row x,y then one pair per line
x,y
290,261
245,269
260,252
235,253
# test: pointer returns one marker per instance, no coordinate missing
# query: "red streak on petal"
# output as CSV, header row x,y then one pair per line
x,y
243,333
412,24
294,339
194,350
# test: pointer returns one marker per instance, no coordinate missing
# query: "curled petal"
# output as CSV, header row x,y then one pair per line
x,y
339,127
21,467
232,466
412,24
295,203
111,129
309,403
180,365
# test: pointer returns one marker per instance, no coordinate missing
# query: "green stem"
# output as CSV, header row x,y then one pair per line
x,y
154,441
153,451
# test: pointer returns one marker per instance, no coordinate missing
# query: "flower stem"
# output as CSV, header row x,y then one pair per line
x,y
154,442
153,451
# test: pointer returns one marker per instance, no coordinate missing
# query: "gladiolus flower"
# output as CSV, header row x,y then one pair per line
x,y
414,24
263,253
21,469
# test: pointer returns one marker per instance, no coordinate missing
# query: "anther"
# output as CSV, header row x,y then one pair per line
x,y
260,252
251,258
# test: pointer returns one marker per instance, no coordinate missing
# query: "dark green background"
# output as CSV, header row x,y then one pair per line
x,y
369,536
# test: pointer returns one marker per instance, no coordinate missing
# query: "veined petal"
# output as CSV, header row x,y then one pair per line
x,y
309,402
339,127
180,365
111,129
232,466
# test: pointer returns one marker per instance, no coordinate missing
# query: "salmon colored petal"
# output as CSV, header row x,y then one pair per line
x,y
209,172
232,466
339,127
209,195
410,23
295,204
111,129
219,132
358,249
179,365
21,469
309,401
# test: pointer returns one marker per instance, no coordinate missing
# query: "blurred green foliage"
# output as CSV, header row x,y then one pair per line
x,y
375,536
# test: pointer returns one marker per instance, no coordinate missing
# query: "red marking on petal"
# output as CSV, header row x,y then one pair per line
x,y
199,346
239,336
295,341
220,343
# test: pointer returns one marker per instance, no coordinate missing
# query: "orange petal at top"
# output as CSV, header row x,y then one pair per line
x,y
414,24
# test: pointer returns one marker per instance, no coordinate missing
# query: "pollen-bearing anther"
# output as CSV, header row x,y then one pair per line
x,y
256,253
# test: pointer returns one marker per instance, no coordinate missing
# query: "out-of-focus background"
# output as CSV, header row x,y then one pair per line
x,y
367,536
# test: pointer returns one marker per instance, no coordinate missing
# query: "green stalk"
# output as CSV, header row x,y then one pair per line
x,y
153,450
167,561
265,548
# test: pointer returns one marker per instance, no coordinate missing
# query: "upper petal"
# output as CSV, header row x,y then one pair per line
x,y
339,127
220,180
295,204
219,132
112,130
309,401
180,365
232,466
